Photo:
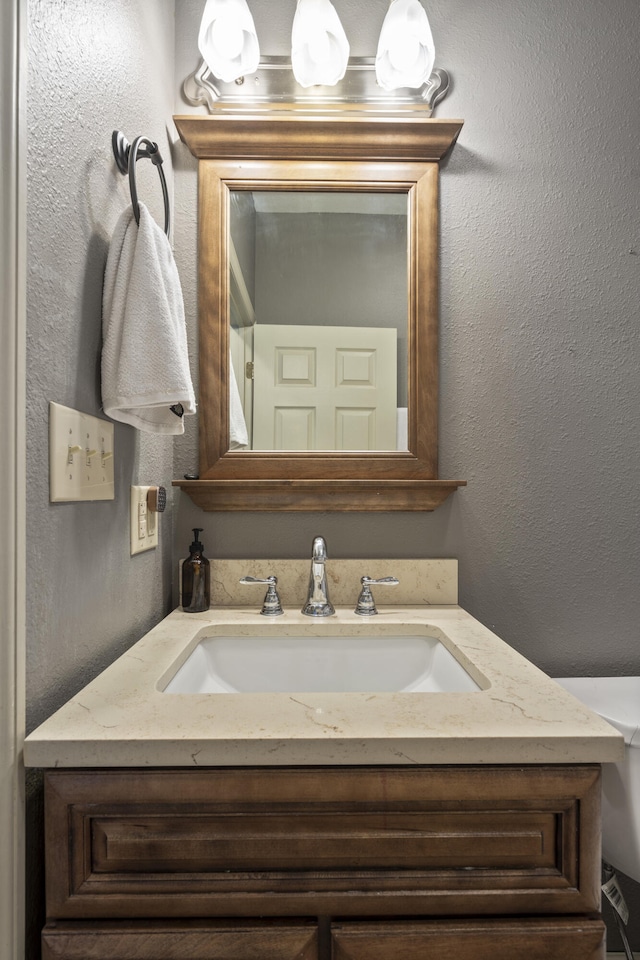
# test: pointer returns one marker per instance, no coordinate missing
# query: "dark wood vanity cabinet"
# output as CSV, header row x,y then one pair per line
x,y
345,863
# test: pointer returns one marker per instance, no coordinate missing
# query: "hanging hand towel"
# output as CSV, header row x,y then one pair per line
x,y
145,364
238,435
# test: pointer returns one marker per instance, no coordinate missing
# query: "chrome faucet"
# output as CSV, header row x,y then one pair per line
x,y
318,603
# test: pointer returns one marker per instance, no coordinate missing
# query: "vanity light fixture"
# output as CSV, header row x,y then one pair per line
x,y
406,52
227,40
319,70
319,45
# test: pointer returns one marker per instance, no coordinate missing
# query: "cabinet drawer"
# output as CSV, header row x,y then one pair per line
x,y
470,940
300,842
543,939
180,941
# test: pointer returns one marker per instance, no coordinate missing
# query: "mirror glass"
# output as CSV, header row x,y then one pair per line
x,y
318,308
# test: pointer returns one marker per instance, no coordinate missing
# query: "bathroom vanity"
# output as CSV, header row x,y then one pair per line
x,y
347,861
313,824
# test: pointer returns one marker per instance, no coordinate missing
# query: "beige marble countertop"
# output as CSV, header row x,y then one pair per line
x,y
123,718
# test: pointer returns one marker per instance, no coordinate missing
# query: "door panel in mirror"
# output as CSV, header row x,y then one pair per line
x,y
324,388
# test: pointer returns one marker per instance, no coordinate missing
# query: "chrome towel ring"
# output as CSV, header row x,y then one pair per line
x,y
127,154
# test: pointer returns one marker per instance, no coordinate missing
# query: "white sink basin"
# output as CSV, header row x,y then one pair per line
x,y
328,664
617,699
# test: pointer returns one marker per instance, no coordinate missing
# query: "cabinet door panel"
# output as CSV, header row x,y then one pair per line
x,y
180,941
340,841
470,940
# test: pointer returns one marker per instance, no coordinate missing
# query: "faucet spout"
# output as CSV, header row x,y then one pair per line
x,y
318,603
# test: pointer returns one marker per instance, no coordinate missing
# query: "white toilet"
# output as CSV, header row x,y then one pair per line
x,y
617,700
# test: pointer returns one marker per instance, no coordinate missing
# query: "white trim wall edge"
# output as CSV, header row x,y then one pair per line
x,y
12,473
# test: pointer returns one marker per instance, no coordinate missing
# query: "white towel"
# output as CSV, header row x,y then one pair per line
x,y
145,364
402,428
238,436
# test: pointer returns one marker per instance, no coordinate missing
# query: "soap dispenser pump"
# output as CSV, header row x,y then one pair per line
x,y
196,589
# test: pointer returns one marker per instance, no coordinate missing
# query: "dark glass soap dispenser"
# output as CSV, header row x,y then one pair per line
x,y
196,582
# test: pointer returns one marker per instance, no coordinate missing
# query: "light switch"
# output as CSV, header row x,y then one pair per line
x,y
144,530
80,456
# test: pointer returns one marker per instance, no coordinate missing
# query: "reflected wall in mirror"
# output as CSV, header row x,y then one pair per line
x,y
318,314
269,182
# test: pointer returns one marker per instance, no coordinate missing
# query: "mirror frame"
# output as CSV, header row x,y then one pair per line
x,y
294,150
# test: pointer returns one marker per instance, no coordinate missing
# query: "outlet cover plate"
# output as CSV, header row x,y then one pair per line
x,y
144,522
80,456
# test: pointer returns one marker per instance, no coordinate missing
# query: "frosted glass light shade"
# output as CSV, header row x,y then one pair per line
x,y
319,45
227,40
405,50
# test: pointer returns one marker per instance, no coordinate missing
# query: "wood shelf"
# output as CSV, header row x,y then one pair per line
x,y
319,495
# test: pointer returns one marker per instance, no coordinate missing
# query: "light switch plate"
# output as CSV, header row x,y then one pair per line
x,y
80,456
144,522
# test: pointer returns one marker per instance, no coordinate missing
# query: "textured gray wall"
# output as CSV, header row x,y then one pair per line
x,y
540,339
335,268
93,67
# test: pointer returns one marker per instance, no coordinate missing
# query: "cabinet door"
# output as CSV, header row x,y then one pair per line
x,y
187,940
448,841
470,940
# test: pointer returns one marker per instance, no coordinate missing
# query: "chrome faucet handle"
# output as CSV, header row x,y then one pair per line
x,y
271,606
365,607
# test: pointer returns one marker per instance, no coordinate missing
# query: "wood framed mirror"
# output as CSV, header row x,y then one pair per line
x,y
318,387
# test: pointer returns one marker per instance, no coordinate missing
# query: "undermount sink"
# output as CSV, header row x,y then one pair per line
x,y
617,700
321,663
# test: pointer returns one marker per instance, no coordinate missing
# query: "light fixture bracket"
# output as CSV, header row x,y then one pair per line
x,y
274,83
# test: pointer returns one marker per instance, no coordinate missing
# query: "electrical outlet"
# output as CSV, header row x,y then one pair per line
x,y
144,522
